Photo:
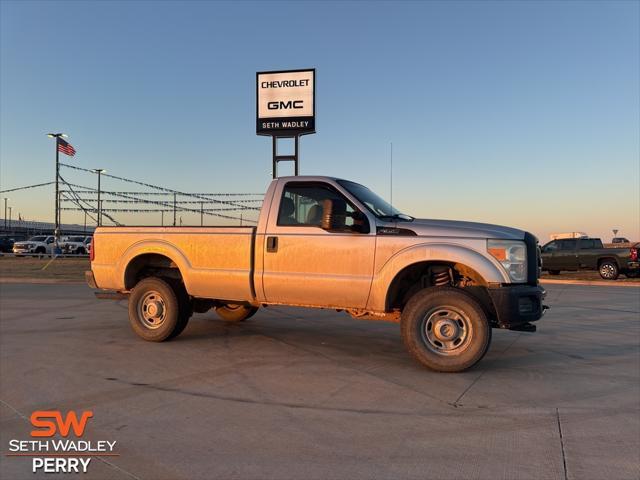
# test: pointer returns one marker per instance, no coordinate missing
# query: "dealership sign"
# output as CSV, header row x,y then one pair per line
x,y
285,102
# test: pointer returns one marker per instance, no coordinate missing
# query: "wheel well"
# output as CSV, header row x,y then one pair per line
x,y
421,275
150,265
602,260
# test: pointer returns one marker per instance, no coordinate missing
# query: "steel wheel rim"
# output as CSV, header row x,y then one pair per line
x,y
152,310
446,330
233,306
607,270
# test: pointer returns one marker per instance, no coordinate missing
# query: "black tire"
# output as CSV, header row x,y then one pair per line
x,y
445,329
41,250
554,272
186,311
154,310
608,270
236,312
632,273
80,251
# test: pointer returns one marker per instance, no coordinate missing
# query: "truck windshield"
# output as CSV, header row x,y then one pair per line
x,y
379,207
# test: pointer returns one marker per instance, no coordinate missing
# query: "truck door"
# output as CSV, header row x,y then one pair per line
x,y
567,255
304,264
587,253
550,255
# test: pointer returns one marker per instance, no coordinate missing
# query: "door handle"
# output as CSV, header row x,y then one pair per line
x,y
272,244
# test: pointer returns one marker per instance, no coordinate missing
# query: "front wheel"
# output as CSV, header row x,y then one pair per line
x,y
232,312
609,270
445,329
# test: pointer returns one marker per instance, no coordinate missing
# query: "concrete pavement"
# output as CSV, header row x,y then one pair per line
x,y
296,393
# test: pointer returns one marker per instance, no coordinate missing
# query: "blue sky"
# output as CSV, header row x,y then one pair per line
x,y
518,113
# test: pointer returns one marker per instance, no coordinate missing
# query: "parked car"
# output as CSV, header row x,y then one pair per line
x,y
6,243
589,254
620,240
41,244
328,243
75,245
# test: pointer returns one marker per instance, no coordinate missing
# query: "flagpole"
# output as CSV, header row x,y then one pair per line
x,y
56,232
57,229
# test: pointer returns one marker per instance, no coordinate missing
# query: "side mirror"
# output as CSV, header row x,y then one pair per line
x,y
334,218
327,215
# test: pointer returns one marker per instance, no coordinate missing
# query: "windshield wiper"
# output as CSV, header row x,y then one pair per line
x,y
397,216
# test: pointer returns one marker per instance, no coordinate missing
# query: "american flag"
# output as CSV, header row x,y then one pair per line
x,y
65,147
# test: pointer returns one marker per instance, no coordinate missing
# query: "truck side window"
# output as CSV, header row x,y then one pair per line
x,y
302,205
551,247
568,244
587,244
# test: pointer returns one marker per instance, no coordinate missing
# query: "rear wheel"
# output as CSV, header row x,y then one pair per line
x,y
186,310
445,329
156,312
609,270
233,312
554,272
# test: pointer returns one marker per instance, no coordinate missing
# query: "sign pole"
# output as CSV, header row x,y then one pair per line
x,y
274,169
295,161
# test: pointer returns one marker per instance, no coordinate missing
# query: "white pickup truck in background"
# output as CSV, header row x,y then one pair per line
x,y
40,244
75,244
323,242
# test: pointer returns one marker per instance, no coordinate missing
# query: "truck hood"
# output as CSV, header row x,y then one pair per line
x,y
23,243
455,228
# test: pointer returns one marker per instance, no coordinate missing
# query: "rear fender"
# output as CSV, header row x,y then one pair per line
x,y
157,247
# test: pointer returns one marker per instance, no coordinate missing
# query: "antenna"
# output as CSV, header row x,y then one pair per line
x,y
391,178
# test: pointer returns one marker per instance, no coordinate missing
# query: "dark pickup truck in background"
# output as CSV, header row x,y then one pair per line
x,y
589,254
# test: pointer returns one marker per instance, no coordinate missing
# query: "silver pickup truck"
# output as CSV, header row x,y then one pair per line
x,y
323,242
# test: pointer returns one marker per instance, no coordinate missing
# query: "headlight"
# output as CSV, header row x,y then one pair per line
x,y
512,254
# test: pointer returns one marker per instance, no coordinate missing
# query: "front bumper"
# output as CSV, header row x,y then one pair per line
x,y
518,305
21,249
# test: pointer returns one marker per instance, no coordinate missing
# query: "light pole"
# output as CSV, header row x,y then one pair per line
x,y
57,212
99,171
174,209
9,217
5,212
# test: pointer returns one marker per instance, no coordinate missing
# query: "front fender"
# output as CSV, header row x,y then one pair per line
x,y
487,267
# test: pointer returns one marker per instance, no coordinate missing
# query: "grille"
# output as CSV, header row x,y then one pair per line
x,y
534,260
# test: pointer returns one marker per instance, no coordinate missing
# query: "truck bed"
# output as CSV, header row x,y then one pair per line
x,y
212,259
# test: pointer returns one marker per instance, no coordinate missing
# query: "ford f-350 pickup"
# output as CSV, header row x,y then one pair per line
x,y
328,243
